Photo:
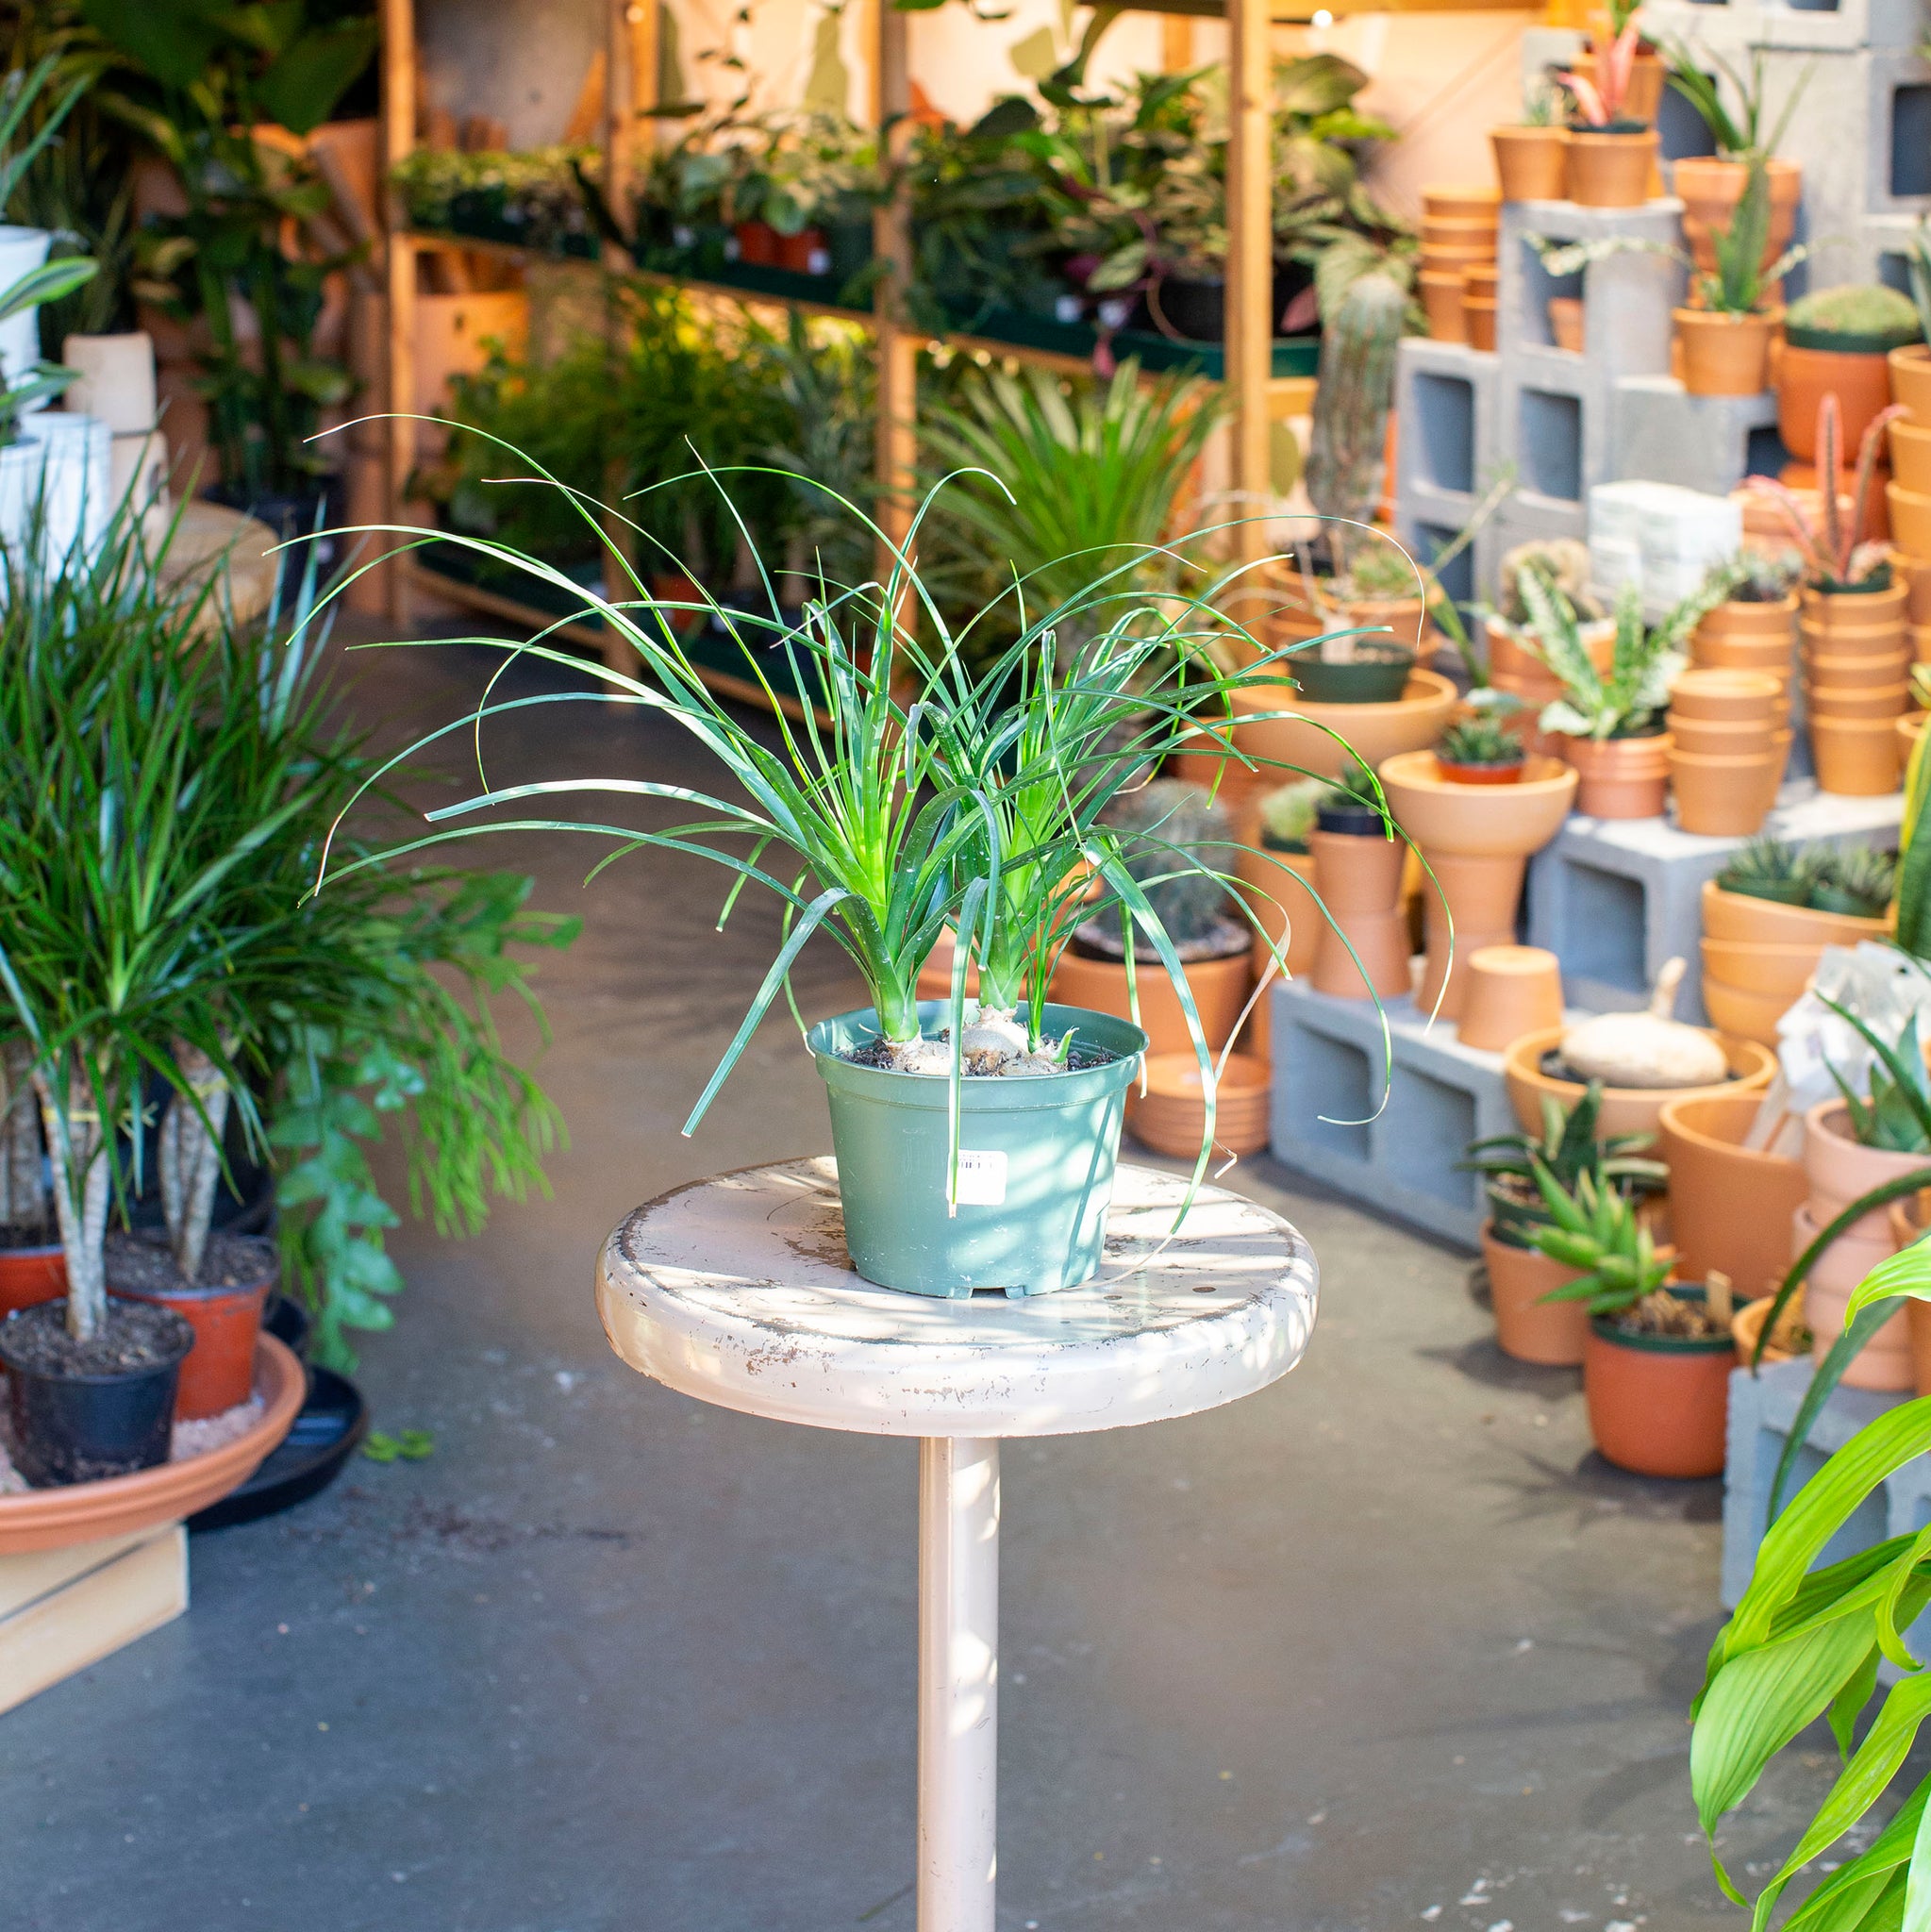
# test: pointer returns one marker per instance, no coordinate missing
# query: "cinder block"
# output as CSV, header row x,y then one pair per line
x,y
1614,898
1734,26
1627,297
1445,399
1663,434
1329,1119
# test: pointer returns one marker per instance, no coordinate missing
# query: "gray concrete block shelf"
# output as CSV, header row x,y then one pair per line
x,y
1666,435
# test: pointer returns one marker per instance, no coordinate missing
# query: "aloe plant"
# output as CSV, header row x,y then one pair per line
x,y
1567,1149
1594,1227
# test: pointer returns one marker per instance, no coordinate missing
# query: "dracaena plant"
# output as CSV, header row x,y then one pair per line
x,y
933,792
1806,1643
1835,556
1601,95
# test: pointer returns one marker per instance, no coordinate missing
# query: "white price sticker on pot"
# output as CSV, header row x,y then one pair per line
x,y
981,1179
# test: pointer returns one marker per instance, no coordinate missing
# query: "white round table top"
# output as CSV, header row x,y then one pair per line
x,y
738,1290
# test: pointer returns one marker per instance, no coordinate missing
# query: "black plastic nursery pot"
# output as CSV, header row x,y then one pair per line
x,y
74,1423
1351,820
1372,677
1037,1156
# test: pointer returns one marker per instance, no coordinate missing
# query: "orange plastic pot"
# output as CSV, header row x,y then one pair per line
x,y
218,1369
1610,170
1724,355
28,1275
1659,1405
1730,1206
1860,381
1527,1326
1531,163
1620,778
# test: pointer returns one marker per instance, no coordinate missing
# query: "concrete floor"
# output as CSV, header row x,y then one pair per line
x,y
1384,1646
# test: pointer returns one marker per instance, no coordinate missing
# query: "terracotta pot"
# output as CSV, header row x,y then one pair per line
x,y
1479,319
1909,369
1767,623
1746,1324
1460,231
1644,94
1916,578
28,1275
1710,188
1860,380
1659,1405
1456,257
1855,757
1745,1015
1855,614
1375,732
803,253
1724,355
1909,728
1566,323
1918,636
1442,298
1527,1327
1838,1170
1910,458
1625,1109
1285,910
1406,619
1532,163
1610,170
1723,737
1511,990
1360,879
1172,1114
1884,1361
1760,968
935,975
88,1512
218,1369
1738,916
1728,796
1907,1225
758,243
1730,1206
1724,696
1858,701
1622,778
1873,671
1479,839
1220,989
1461,202
1910,516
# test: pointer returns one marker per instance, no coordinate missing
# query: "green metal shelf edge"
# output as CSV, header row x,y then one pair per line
x,y
995,328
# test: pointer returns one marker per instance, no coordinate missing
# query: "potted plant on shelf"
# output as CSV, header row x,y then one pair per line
x,y
1612,149
1475,839
1529,1325
1753,625
1710,186
1608,722
1479,749
1657,1365
1532,157
1852,620
1514,664
1277,869
1837,341
1375,587
1362,952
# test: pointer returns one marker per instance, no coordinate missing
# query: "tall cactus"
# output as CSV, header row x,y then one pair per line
x,y
1355,391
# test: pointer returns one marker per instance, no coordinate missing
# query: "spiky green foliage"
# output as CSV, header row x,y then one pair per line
x,y
1480,740
1568,1148
1349,438
1860,881
1614,704
1595,1227
1740,133
1769,868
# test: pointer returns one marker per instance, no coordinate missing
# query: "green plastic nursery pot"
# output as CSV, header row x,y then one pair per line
x,y
1036,1154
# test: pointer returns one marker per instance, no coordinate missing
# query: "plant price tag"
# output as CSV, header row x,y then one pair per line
x,y
981,1179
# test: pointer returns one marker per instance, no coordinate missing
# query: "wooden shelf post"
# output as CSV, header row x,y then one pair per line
x,y
898,346
1250,264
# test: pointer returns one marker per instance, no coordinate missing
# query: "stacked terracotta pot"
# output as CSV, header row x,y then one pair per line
x,y
1729,740
1169,1116
1459,244
1758,956
1750,636
1857,667
1909,490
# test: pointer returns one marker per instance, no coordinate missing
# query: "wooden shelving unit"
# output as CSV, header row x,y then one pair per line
x,y
630,56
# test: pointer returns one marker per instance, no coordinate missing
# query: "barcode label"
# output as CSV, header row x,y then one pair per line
x,y
981,1179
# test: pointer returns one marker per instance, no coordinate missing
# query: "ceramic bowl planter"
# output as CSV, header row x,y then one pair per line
x,y
1620,777
1659,1403
1037,1161
1724,354
1358,873
1528,1327
1730,1206
1374,731
1610,170
1531,163
1625,1109
79,1422
1477,839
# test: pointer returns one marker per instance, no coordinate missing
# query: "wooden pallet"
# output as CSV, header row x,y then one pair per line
x,y
62,1610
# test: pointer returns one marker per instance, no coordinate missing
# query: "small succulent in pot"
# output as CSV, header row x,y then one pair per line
x,y
1593,1226
1755,575
1480,749
1566,1148
1859,882
1768,868
1352,804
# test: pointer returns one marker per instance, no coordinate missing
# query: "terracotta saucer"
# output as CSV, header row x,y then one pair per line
x,y
84,1512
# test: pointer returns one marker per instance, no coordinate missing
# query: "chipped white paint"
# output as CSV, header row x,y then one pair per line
x,y
738,1290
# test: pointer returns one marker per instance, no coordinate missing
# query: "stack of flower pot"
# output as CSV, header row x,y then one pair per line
x,y
1909,490
1730,1203
1761,637
1758,955
1459,244
1856,664
1363,950
1729,738
1169,1116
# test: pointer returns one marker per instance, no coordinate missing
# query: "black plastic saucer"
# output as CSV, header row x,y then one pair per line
x,y
327,1432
